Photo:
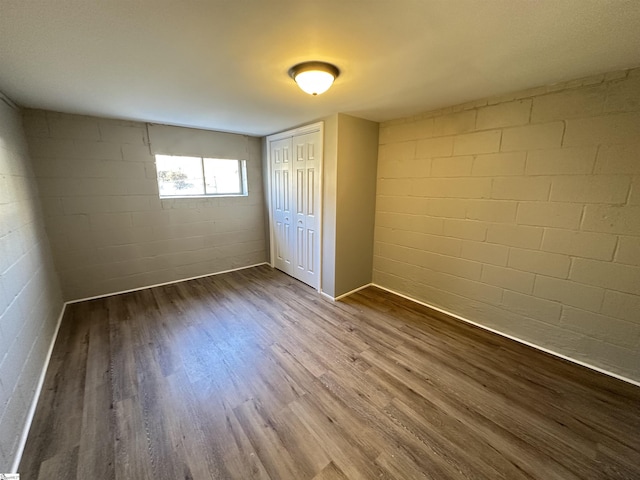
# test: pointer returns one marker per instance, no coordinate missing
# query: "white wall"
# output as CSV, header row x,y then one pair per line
x,y
108,227
30,298
522,213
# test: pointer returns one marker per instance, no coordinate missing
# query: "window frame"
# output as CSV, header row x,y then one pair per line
x,y
242,181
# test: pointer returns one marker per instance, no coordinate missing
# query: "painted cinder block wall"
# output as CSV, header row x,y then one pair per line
x,y
108,228
522,213
30,297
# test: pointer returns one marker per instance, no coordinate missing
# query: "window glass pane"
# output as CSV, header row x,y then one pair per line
x,y
179,176
222,176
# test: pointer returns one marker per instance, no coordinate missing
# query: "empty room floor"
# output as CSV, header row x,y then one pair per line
x,y
251,374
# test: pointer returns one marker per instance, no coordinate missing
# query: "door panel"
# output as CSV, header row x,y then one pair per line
x,y
300,263
281,203
300,190
311,242
311,198
307,193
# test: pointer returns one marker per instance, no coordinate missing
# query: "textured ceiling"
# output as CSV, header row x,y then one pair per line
x,y
223,64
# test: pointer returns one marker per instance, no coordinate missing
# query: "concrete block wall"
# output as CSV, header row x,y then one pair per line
x,y
522,213
30,297
109,229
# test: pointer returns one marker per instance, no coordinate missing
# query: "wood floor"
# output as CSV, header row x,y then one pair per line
x,y
252,374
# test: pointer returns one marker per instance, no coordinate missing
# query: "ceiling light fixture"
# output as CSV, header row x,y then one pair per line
x,y
314,77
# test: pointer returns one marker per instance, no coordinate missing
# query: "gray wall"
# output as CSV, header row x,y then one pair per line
x,y
348,203
522,213
329,198
110,231
356,198
264,158
30,298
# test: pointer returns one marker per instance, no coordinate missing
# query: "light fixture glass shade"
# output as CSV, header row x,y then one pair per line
x,y
314,82
314,78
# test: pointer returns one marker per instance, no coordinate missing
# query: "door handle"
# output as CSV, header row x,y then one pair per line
x,y
300,222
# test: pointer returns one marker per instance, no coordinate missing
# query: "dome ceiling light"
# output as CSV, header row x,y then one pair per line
x,y
314,77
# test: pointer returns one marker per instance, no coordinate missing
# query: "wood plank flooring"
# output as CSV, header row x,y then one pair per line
x,y
252,375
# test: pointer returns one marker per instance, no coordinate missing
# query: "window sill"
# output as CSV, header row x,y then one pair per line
x,y
176,197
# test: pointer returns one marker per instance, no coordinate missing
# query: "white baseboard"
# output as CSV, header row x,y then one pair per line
x,y
335,299
511,337
137,289
327,297
353,291
36,396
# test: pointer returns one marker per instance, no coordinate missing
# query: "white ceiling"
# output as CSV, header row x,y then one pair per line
x,y
222,64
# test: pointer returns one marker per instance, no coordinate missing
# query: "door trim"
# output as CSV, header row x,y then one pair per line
x,y
311,128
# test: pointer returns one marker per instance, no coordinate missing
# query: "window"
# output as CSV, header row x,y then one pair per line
x,y
180,176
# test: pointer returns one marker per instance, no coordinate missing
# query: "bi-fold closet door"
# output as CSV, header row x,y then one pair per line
x,y
295,160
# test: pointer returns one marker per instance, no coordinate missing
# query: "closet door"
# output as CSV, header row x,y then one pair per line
x,y
306,192
295,160
280,158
